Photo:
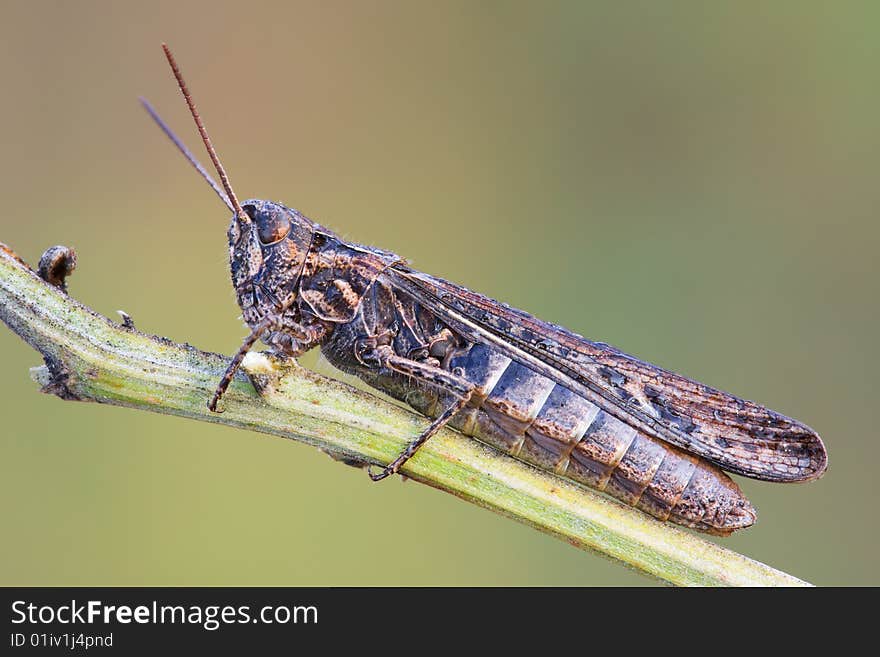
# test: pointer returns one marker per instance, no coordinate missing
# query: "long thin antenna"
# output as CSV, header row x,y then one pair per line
x,y
224,180
186,153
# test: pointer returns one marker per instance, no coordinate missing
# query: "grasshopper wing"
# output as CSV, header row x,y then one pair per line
x,y
738,435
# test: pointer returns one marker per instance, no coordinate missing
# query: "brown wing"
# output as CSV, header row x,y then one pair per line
x,y
740,436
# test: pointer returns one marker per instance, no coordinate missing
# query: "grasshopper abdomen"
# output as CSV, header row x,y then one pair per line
x,y
543,423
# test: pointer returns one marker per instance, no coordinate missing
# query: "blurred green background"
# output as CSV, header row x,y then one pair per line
x,y
695,183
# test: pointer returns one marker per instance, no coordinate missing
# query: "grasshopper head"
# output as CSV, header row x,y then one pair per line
x,y
266,256
268,242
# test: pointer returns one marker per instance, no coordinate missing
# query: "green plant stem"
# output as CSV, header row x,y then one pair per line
x,y
90,358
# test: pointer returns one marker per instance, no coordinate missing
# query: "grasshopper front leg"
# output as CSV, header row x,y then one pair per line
x,y
296,339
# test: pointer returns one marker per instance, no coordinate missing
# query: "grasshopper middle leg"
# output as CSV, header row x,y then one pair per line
x,y
426,374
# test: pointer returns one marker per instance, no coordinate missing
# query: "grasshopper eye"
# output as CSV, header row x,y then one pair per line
x,y
272,224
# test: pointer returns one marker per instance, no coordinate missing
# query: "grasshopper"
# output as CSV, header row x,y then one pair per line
x,y
582,409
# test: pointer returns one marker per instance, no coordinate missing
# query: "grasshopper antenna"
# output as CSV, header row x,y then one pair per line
x,y
224,180
186,153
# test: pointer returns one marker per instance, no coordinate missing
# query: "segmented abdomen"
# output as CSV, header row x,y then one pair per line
x,y
539,421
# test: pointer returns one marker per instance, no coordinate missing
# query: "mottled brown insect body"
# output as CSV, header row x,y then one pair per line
x,y
584,410
544,423
532,389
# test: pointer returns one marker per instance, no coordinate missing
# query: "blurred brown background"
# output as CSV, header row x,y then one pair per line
x,y
696,184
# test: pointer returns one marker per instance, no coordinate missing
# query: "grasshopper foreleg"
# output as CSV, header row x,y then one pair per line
x,y
425,374
273,322
268,323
